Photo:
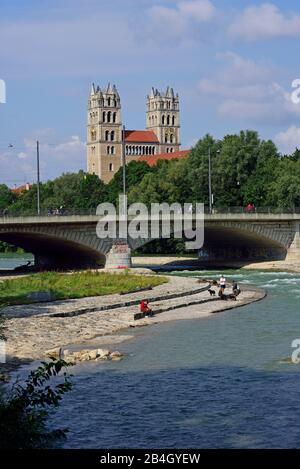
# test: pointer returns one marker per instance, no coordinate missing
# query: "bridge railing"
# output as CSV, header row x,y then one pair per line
x,y
253,210
6,214
46,213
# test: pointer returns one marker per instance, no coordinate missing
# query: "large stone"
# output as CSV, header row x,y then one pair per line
x,y
116,355
54,353
103,353
93,354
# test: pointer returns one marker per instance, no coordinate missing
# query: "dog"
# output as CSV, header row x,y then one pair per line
x,y
211,292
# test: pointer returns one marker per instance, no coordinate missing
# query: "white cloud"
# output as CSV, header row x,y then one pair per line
x,y
199,10
20,166
263,22
169,26
288,140
247,90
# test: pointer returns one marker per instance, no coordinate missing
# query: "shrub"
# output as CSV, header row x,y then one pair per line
x,y
25,407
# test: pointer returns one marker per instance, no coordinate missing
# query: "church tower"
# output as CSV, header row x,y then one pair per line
x,y
163,119
104,132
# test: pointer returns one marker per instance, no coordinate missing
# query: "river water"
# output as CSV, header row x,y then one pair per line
x,y
223,381
10,261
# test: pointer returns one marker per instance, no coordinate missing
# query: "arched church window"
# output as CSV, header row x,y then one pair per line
x,y
108,116
114,117
173,120
168,120
93,134
171,138
108,101
112,135
103,116
163,120
106,135
111,167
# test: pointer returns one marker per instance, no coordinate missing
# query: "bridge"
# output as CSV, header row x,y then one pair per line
x,y
70,241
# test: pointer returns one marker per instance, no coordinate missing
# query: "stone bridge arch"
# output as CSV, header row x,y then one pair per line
x,y
250,239
66,246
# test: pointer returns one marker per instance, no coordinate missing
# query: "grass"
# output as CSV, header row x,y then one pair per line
x,y
76,285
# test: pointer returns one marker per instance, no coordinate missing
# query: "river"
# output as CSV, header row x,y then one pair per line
x,y
10,261
223,381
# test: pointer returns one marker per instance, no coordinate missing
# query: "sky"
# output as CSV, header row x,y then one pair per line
x,y
232,63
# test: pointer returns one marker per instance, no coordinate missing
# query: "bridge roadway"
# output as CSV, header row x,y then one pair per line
x,y
71,240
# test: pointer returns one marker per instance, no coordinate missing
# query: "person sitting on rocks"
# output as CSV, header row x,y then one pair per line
x,y
145,309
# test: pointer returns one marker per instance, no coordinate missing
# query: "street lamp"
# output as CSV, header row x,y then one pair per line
x,y
210,194
38,177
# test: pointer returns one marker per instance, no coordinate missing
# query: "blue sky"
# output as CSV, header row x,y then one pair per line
x,y
232,63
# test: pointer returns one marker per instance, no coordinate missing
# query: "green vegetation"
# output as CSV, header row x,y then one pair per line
x,y
24,409
6,248
244,169
76,285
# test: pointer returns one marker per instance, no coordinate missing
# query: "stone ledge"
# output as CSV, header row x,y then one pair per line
x,y
128,303
175,306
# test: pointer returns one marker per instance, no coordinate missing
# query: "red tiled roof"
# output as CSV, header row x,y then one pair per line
x,y
140,136
21,189
153,159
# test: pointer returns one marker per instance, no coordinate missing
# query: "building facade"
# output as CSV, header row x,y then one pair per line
x,y
105,139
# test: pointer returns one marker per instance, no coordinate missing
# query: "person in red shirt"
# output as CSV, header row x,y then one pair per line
x,y
144,308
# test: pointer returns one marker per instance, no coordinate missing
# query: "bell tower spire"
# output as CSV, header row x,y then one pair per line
x,y
104,132
163,118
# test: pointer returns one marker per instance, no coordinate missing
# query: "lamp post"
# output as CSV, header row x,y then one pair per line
x,y
209,181
210,194
38,177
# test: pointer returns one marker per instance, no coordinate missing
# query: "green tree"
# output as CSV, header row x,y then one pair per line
x,y
6,197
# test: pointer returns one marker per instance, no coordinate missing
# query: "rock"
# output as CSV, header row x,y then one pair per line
x,y
93,354
55,352
103,353
116,355
84,357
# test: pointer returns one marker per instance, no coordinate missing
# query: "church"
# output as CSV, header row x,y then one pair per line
x,y
107,142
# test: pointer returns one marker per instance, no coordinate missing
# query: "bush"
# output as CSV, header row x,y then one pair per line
x,y
24,409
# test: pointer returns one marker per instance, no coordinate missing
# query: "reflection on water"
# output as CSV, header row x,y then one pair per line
x,y
10,261
223,381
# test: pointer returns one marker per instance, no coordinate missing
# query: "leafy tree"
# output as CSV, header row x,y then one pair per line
x,y
135,171
6,197
24,409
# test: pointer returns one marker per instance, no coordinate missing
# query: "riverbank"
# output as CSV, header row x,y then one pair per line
x,y
192,263
31,330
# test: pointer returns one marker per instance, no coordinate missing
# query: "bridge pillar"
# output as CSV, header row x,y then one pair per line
x,y
293,253
119,256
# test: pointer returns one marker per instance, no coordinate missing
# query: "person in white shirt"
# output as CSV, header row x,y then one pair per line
x,y
222,283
